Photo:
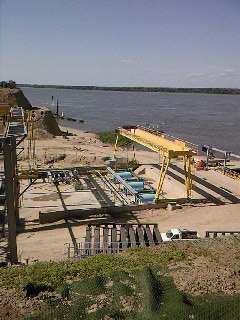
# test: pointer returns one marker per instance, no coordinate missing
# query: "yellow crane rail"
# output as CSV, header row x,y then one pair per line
x,y
164,145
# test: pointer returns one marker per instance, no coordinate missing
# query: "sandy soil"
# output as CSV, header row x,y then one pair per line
x,y
84,148
81,148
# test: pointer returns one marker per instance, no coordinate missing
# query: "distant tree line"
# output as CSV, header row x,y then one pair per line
x,y
8,84
140,89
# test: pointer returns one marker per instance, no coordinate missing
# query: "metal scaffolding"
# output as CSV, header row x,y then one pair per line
x,y
8,150
14,134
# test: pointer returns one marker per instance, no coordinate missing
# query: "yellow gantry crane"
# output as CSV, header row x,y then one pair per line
x,y
167,146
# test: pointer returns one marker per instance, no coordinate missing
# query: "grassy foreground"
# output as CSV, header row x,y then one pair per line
x,y
143,294
136,284
54,274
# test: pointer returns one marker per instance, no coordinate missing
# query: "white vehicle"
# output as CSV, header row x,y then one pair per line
x,y
179,234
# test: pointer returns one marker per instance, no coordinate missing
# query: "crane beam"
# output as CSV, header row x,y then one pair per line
x,y
168,147
157,143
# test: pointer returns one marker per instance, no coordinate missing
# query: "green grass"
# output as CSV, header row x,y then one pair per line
x,y
54,274
109,137
101,284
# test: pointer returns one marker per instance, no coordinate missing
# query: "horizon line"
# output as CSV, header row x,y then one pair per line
x,y
117,87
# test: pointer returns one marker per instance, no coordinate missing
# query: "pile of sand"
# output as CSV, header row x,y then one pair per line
x,y
46,126
15,98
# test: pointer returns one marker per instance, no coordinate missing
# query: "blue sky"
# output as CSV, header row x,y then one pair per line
x,y
175,43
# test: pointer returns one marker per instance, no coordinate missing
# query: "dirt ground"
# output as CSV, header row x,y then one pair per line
x,y
78,148
83,148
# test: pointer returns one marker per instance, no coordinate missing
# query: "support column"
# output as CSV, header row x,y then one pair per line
x,y
207,159
185,171
115,146
134,155
225,161
9,174
162,177
189,182
15,181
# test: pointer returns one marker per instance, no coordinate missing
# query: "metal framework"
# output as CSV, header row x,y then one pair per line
x,y
227,154
8,150
16,131
167,146
130,189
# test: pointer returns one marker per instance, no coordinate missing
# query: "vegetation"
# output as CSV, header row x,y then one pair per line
x,y
131,285
8,84
144,294
142,89
110,138
54,274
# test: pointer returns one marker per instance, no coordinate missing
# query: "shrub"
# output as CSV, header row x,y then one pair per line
x,y
110,138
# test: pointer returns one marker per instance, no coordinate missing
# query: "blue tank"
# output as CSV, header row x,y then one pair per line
x,y
126,175
137,185
146,197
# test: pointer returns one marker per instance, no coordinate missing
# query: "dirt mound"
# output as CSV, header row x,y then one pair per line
x,y
212,266
46,126
15,98
41,134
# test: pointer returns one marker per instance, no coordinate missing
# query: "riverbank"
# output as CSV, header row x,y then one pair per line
x,y
141,89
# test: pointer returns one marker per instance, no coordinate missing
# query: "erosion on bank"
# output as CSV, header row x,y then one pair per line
x,y
15,98
45,124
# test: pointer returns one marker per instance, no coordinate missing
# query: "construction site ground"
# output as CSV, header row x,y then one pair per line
x,y
221,210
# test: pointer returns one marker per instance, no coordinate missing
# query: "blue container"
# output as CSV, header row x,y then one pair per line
x,y
146,197
137,185
125,175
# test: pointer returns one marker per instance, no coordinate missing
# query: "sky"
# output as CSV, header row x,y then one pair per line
x,y
153,43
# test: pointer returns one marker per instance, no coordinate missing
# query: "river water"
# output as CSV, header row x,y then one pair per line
x,y
199,118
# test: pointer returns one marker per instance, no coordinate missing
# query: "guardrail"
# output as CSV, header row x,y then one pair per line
x,y
223,233
189,144
229,173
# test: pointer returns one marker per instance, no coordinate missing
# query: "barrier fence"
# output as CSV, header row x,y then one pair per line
x,y
144,294
90,249
216,233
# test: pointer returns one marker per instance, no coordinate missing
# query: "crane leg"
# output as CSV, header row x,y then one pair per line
x,y
162,177
189,178
115,146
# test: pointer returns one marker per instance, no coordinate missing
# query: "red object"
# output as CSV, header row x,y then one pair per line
x,y
200,165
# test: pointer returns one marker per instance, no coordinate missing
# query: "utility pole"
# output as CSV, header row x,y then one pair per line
x,y
52,105
9,168
57,105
